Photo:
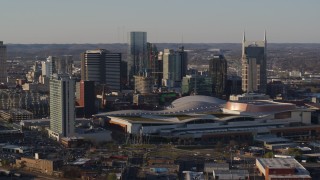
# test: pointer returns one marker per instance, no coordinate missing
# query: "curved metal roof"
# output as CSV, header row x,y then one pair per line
x,y
184,105
197,98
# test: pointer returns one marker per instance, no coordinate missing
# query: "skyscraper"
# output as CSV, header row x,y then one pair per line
x,y
174,67
137,54
65,64
86,97
3,63
154,63
53,64
254,65
62,106
197,85
184,61
168,67
143,85
218,74
49,66
102,67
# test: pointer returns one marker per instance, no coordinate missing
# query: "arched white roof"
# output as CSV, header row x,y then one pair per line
x,y
198,99
184,105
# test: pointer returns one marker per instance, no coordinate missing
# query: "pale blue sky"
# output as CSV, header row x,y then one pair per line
x,y
208,21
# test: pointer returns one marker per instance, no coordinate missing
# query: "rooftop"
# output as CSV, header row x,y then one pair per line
x,y
256,107
81,161
271,139
283,163
18,111
232,171
184,105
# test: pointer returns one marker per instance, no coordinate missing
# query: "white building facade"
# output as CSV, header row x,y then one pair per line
x,y
62,106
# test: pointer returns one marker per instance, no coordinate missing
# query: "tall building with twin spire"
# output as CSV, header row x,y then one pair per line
x,y
254,65
3,63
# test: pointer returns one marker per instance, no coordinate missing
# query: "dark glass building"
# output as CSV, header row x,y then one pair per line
x,y
218,72
87,98
102,67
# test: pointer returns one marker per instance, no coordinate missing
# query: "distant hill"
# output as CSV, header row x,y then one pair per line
x,y
302,57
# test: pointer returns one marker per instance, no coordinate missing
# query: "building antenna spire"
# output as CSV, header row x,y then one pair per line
x,y
244,36
265,35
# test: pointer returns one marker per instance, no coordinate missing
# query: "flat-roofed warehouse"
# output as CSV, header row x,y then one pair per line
x,y
282,168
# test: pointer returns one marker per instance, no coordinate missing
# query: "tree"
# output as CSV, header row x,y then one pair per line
x,y
294,152
4,162
268,155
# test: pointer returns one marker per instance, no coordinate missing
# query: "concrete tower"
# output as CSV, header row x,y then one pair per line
x,y
62,106
254,65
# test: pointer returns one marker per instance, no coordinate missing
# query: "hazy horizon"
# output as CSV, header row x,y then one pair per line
x,y
152,42
187,21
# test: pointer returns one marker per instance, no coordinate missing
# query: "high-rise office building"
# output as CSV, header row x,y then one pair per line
x,y
154,68
168,59
86,97
197,85
218,73
102,67
49,66
152,57
62,106
143,85
3,63
184,61
254,65
124,74
62,65
234,86
137,54
65,64
174,67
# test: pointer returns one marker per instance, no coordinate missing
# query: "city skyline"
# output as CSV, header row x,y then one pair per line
x,y
100,21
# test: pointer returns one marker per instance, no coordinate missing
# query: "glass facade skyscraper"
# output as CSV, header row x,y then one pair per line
x,y
218,73
137,54
3,63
